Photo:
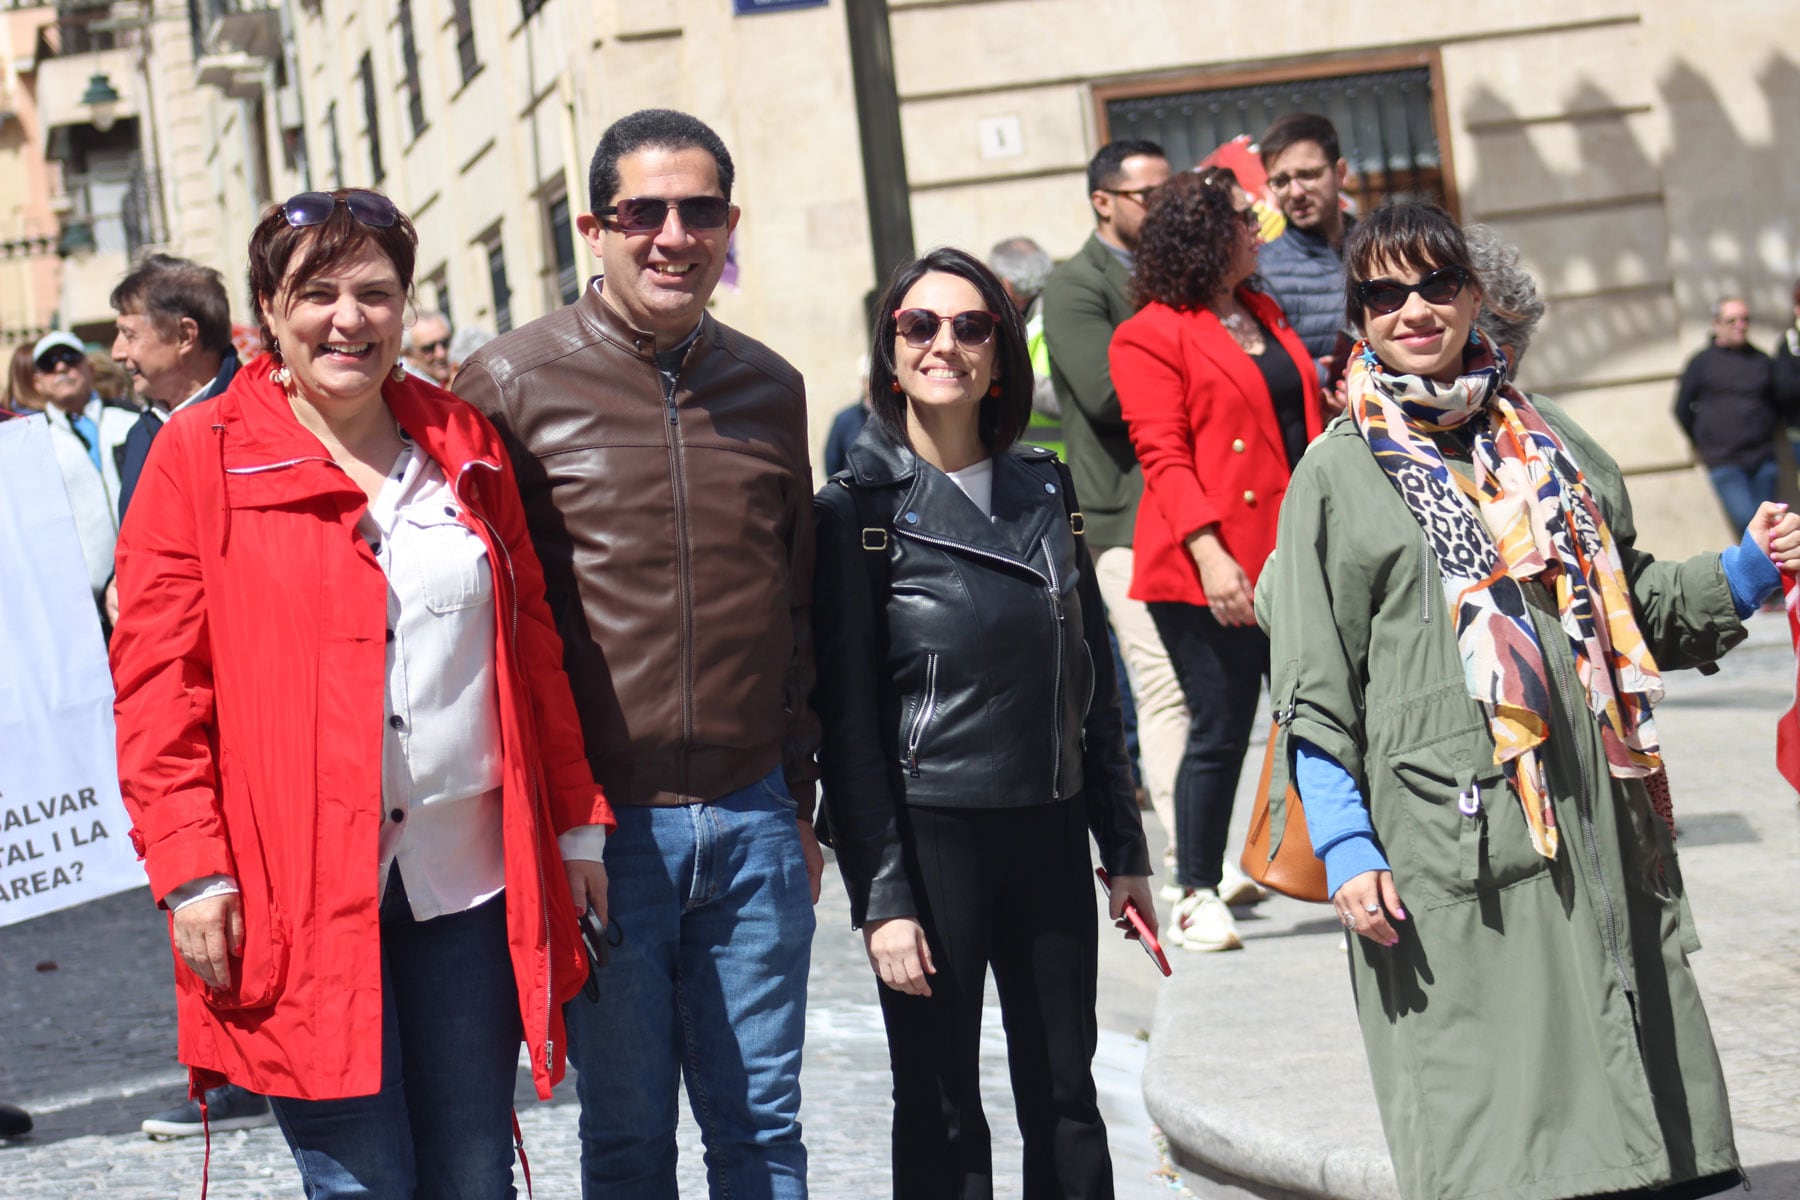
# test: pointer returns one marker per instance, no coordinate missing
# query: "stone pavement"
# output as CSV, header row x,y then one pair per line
x,y
88,1047
1256,1067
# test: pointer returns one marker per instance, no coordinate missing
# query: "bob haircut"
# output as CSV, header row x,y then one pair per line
x,y
1185,247
279,250
1002,418
1421,236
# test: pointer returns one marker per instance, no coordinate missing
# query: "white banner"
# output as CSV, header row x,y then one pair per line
x,y
63,828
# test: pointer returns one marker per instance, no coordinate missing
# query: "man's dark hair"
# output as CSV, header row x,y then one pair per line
x,y
1108,164
1298,127
663,128
1001,418
165,289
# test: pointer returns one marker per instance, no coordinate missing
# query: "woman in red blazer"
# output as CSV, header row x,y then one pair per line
x,y
1221,399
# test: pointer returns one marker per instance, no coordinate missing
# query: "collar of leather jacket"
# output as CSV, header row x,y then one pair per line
x,y
605,319
1026,499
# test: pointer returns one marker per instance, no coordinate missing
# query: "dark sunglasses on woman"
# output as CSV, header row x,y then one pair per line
x,y
61,356
314,208
646,214
919,326
1389,295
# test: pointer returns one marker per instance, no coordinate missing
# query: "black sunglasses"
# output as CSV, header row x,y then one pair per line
x,y
918,327
314,208
646,214
1388,295
62,356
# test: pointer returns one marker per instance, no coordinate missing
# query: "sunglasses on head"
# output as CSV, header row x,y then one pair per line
x,y
646,214
918,327
315,208
62,356
1388,295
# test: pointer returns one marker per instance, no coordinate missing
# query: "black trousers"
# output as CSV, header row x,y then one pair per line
x,y
1012,889
1220,668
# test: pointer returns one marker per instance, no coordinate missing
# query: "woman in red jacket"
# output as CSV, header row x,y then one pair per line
x,y
345,736
1220,398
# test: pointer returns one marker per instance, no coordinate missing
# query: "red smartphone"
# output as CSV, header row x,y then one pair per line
x,y
1139,931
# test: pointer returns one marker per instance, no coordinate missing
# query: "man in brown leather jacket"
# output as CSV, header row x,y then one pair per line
x,y
663,462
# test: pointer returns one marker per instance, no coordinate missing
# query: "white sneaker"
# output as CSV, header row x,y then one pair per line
x,y
1202,921
1171,891
1235,887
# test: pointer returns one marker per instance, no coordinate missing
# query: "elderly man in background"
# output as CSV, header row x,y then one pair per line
x,y
174,340
1726,406
89,437
425,348
1024,267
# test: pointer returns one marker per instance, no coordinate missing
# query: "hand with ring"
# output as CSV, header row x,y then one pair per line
x,y
1367,902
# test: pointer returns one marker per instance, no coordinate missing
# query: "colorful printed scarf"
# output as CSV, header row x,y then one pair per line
x,y
1528,514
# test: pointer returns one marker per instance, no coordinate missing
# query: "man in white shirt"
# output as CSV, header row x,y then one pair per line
x,y
89,437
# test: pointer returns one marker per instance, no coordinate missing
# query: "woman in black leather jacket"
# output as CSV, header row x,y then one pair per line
x,y
972,737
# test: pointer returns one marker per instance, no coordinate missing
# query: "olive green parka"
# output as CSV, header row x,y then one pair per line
x,y
1537,1032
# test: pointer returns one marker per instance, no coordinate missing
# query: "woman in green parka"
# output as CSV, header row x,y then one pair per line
x,y
1465,649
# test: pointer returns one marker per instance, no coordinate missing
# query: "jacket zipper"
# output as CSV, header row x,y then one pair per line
x,y
512,646
1056,709
922,718
684,600
1584,811
1427,577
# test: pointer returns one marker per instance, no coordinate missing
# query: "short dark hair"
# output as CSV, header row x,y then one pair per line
x,y
1001,418
1298,127
274,245
1417,235
165,289
663,128
1185,247
1108,163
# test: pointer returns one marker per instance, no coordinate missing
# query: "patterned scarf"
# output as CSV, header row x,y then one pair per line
x,y
1528,514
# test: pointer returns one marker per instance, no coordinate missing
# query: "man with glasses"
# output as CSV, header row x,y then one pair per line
x,y
663,461
1086,299
1302,267
89,436
425,348
1726,406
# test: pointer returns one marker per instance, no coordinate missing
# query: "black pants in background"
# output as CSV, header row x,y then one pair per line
x,y
1221,668
1010,888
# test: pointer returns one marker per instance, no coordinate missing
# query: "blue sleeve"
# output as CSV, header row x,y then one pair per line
x,y
1749,574
1336,818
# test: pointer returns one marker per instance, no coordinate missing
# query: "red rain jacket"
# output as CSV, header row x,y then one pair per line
x,y
249,662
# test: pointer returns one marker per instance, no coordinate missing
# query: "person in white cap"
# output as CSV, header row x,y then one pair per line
x,y
89,436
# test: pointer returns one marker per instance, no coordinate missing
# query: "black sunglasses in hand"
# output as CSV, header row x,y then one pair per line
x,y
599,943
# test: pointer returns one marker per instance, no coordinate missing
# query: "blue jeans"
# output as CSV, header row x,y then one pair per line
x,y
1741,489
441,1125
709,983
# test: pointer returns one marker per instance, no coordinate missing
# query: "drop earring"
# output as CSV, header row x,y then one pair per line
x,y
994,389
280,376
398,373
895,387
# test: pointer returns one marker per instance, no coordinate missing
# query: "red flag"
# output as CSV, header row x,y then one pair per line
x,y
1787,730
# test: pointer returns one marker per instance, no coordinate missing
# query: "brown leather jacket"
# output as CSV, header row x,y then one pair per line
x,y
676,536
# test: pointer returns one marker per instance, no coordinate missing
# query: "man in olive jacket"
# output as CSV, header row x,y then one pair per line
x,y
1086,299
663,462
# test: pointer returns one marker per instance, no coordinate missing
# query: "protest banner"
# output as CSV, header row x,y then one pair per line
x,y
64,835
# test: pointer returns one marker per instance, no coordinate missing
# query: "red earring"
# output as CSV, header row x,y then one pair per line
x,y
895,387
994,389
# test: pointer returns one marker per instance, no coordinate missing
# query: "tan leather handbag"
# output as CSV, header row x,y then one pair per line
x,y
1292,869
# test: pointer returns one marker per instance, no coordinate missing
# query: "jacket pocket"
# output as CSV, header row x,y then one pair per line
x,y
1460,830
260,975
919,716
449,562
